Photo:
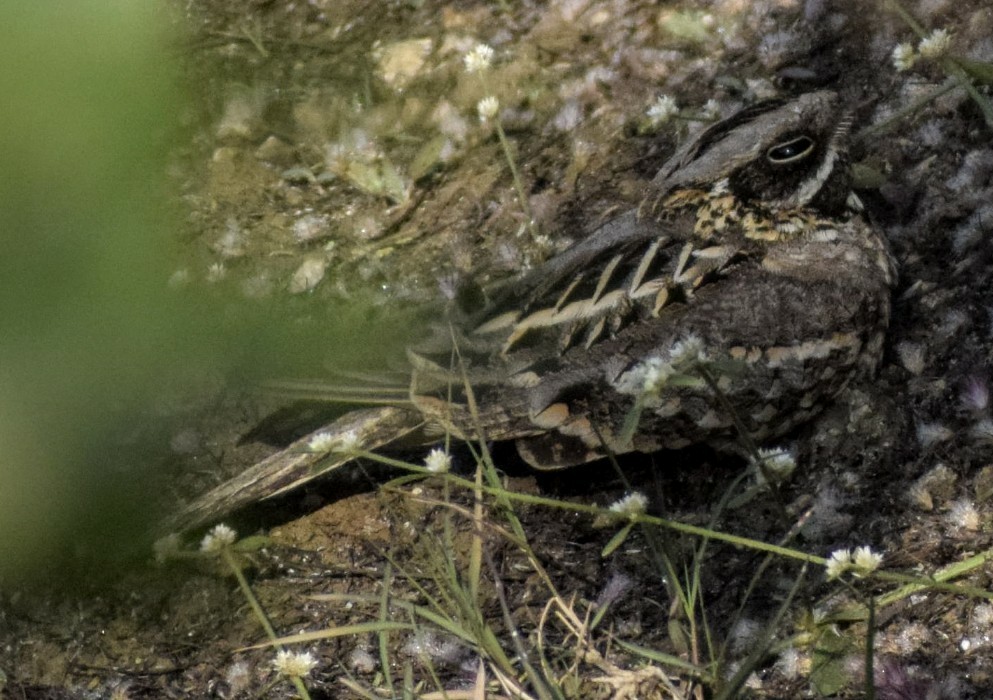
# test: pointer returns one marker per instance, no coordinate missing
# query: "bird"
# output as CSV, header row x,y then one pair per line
x,y
741,295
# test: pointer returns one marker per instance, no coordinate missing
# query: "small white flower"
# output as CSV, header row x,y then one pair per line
x,y
488,108
865,560
650,376
838,563
166,547
656,374
662,110
687,351
216,272
322,442
778,464
904,57
634,503
711,110
438,461
478,58
294,664
349,442
218,538
935,44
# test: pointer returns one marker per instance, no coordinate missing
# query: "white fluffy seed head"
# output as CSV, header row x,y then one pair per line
x,y
904,57
662,110
478,58
634,503
935,44
218,538
488,108
294,664
438,461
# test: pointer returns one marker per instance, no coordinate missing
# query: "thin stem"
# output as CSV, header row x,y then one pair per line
x,y
515,174
900,114
950,65
939,581
953,68
247,592
870,652
508,155
260,615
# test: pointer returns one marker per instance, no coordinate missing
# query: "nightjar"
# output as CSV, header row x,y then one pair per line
x,y
743,294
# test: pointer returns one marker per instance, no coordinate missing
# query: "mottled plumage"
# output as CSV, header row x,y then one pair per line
x,y
748,264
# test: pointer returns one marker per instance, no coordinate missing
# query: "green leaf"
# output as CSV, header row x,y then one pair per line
x,y
617,540
679,637
981,71
830,673
427,157
393,184
686,381
631,421
251,544
366,177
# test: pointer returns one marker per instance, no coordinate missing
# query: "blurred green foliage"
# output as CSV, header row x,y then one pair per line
x,y
92,339
88,99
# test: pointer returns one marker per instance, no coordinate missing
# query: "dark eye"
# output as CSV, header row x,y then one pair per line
x,y
790,151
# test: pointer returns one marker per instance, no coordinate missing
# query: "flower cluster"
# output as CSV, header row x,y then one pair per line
x,y
477,61
294,664
325,442
656,373
662,110
862,561
904,57
934,45
649,377
438,461
218,538
478,58
775,465
487,108
632,504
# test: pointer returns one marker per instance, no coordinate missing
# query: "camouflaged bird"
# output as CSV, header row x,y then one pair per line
x,y
743,294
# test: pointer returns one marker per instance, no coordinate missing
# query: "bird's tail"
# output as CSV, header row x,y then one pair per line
x,y
309,457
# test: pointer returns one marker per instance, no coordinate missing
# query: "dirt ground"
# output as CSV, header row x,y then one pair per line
x,y
335,169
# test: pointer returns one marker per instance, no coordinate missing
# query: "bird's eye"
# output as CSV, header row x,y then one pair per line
x,y
790,151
